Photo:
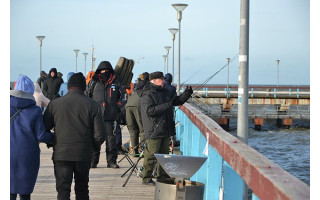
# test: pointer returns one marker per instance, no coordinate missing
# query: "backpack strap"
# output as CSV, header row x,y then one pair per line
x,y
15,115
91,86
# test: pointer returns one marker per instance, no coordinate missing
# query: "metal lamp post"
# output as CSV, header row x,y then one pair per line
x,y
85,63
278,61
173,31
165,59
228,93
40,38
76,51
167,48
179,8
92,58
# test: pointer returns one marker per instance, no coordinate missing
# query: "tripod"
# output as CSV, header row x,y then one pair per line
x,y
133,167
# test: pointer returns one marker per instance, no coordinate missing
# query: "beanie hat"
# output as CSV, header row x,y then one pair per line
x,y
155,75
77,80
42,73
25,84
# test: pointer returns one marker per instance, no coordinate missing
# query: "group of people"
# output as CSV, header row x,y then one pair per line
x,y
79,116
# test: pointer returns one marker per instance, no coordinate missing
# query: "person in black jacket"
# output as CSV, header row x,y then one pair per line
x,y
79,130
52,85
170,88
41,79
156,114
107,90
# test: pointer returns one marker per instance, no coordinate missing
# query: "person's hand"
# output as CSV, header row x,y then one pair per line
x,y
185,95
189,90
49,145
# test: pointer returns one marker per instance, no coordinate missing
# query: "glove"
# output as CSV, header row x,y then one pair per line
x,y
49,145
185,95
175,101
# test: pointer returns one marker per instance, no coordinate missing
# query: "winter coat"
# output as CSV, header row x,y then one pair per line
x,y
41,100
78,125
156,112
41,81
64,86
110,94
52,85
26,131
170,88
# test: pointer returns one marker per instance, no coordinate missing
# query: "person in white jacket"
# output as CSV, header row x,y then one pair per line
x,y
41,100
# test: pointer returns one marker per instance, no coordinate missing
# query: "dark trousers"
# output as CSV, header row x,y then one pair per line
x,y
64,171
134,124
22,196
118,137
111,146
156,145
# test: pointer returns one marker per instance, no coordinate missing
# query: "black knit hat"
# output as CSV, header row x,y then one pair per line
x,y
155,75
77,80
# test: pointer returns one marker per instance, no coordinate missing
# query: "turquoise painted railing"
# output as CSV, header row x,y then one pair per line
x,y
231,163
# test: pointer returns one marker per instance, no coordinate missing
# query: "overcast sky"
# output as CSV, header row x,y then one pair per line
x,y
139,28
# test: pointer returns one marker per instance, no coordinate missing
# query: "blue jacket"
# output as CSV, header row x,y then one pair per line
x,y
170,88
64,86
26,131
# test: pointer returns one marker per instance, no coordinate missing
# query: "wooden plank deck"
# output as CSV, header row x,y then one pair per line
x,y
104,183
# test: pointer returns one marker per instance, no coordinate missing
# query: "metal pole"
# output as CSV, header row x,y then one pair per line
x,y
228,60
173,58
168,62
242,126
164,68
85,63
40,56
179,46
278,61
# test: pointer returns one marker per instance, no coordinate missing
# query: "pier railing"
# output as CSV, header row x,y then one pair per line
x,y
231,163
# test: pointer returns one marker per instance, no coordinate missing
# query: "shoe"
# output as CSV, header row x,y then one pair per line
x,y
149,182
112,165
93,165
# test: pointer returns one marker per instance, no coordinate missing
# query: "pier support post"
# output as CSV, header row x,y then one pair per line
x,y
279,123
287,122
224,123
258,122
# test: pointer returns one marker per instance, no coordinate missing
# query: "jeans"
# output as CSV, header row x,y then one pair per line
x,y
64,171
22,196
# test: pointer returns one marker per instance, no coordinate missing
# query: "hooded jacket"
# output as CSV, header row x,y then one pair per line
x,y
156,112
52,85
64,86
110,93
170,88
41,100
26,131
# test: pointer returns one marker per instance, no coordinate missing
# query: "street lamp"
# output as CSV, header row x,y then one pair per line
x,y
173,31
40,38
278,61
85,63
228,95
165,59
167,48
76,51
179,8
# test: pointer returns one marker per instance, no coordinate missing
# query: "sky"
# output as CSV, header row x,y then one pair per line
x,y
138,30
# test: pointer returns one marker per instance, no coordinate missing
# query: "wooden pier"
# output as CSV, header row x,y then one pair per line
x,y
104,183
